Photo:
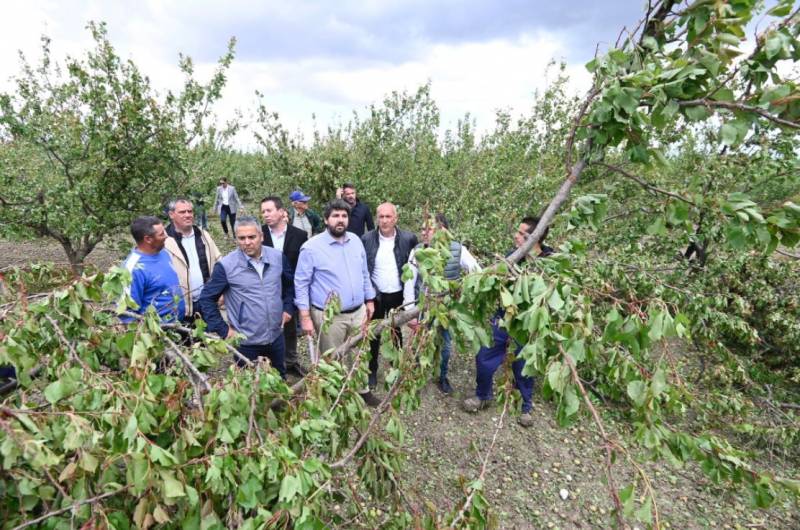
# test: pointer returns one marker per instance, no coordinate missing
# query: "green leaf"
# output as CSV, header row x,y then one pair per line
x,y
172,487
555,301
290,485
658,383
637,391
57,390
729,134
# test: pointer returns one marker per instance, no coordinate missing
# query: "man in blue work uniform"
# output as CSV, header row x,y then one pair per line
x,y
489,359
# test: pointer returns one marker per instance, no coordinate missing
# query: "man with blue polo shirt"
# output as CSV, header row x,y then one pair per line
x,y
153,280
333,264
257,283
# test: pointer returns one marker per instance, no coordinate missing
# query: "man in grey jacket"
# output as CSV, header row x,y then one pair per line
x,y
227,204
258,285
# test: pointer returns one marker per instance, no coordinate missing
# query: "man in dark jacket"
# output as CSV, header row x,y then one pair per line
x,y
360,216
387,250
279,235
258,286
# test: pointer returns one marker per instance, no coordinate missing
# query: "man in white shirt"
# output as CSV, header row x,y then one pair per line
x,y
227,204
461,261
387,249
192,251
287,239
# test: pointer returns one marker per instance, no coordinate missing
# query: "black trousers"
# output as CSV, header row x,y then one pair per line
x,y
290,338
224,213
384,303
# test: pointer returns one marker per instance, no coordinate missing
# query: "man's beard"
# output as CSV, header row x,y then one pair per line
x,y
337,230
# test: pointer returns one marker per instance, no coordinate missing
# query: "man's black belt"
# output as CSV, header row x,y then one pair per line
x,y
343,311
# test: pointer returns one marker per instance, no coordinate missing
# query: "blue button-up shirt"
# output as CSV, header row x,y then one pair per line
x,y
327,266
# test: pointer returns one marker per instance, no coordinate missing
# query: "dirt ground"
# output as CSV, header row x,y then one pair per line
x,y
529,467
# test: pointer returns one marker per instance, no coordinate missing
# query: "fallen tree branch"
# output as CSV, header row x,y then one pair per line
x,y
74,506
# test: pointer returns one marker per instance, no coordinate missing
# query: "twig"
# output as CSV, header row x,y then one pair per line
x,y
67,344
78,504
612,487
644,183
376,416
484,466
731,105
787,254
194,374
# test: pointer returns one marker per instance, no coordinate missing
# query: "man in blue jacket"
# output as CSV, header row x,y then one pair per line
x,y
258,285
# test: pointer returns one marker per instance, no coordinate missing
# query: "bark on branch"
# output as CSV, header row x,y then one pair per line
x,y
732,105
644,183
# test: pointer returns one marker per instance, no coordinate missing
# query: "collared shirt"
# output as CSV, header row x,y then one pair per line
x,y
195,274
278,239
258,265
385,275
226,193
302,222
329,267
155,282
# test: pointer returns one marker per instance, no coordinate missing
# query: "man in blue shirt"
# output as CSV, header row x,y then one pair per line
x,y
331,265
257,283
153,280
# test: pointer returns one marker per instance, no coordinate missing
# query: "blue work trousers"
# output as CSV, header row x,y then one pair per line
x,y
275,352
489,359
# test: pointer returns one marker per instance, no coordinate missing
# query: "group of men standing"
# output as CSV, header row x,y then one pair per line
x,y
288,269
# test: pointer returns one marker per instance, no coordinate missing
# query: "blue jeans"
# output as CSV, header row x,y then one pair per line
x,y
275,352
447,349
489,359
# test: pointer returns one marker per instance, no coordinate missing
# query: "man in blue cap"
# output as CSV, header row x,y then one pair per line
x,y
303,217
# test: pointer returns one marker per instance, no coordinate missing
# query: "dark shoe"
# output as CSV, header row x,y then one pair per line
x,y
370,399
444,386
525,419
296,370
474,404
373,381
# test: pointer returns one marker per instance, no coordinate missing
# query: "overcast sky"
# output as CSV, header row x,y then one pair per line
x,y
332,57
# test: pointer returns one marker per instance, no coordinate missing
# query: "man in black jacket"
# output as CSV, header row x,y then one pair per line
x,y
360,216
387,250
279,235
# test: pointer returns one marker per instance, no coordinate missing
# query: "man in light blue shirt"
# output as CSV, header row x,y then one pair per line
x,y
333,264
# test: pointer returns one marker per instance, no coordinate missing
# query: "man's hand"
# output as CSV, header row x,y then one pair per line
x,y
286,318
306,324
231,333
413,324
370,309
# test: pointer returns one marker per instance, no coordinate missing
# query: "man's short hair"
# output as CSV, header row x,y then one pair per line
x,y
246,220
441,220
144,226
532,221
275,200
336,204
348,185
174,202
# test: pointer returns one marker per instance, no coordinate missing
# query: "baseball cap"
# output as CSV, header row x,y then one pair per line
x,y
298,195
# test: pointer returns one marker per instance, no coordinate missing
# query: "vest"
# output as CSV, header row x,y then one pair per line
x,y
452,269
255,305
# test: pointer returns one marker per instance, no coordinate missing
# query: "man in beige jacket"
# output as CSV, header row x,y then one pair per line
x,y
192,250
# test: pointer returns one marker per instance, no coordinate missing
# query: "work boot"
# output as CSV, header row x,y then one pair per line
x,y
296,369
444,386
370,399
525,419
474,404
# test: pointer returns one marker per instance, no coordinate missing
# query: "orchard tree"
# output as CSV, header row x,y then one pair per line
x,y
88,146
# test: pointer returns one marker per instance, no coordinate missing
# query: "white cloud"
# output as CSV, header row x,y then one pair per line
x,y
473,77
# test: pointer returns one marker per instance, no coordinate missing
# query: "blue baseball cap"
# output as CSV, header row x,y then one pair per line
x,y
299,196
